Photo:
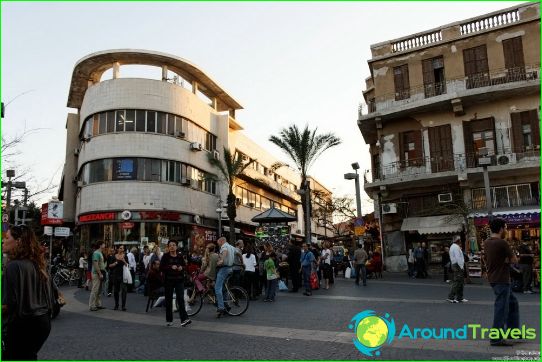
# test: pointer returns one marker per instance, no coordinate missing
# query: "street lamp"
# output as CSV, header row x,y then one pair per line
x,y
355,176
219,212
485,161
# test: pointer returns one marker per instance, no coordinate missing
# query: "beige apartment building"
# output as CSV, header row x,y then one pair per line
x,y
137,168
441,104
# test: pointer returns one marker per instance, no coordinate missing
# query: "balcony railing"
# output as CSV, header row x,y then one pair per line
x,y
459,163
505,197
490,22
454,87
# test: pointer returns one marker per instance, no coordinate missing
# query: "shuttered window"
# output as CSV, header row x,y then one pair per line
x,y
476,66
402,84
411,148
525,131
479,138
513,53
440,146
433,76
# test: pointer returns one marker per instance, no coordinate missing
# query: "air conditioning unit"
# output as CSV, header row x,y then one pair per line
x,y
389,209
79,183
250,204
76,151
216,155
186,181
443,198
508,159
181,135
196,146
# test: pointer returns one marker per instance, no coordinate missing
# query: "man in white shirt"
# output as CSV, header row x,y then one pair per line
x,y
458,266
132,265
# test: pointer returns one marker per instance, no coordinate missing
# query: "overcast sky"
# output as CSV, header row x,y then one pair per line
x,y
284,62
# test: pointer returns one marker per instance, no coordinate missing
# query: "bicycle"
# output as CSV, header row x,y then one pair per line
x,y
64,275
236,298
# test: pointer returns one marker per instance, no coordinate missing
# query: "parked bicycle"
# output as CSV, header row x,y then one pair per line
x,y
62,275
235,298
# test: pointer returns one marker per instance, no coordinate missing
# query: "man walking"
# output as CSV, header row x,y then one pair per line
x,y
224,265
294,256
458,265
526,266
360,258
499,256
98,274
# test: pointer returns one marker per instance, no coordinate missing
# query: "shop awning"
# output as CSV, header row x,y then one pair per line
x,y
442,224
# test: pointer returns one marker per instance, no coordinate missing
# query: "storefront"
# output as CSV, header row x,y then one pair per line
x,y
521,225
143,227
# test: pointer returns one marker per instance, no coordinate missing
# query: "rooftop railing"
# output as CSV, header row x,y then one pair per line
x,y
489,22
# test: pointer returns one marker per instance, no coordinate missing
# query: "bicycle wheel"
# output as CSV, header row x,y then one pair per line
x,y
236,301
58,280
192,307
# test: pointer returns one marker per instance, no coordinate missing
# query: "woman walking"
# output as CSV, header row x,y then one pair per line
x,y
116,271
250,278
172,266
26,296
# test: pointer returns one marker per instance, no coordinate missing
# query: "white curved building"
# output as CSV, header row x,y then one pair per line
x,y
137,165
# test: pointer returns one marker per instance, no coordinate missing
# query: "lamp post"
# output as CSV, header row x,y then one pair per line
x,y
485,161
219,212
355,177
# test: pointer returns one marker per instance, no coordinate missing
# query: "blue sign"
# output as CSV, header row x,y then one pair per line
x,y
359,221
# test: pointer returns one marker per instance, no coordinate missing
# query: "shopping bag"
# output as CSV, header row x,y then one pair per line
x,y
282,286
347,272
126,276
314,281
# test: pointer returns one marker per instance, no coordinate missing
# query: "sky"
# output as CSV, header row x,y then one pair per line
x,y
286,63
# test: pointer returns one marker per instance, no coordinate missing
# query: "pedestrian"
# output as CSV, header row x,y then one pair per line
x,y
360,258
238,266
156,254
272,278
172,266
307,261
209,262
420,261
499,256
250,277
325,264
526,259
132,265
155,281
294,256
411,264
116,267
457,262
26,296
426,260
98,275
224,265
110,260
82,269
146,257
445,262
284,269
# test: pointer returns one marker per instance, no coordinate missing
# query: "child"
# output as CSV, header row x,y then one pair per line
x,y
272,278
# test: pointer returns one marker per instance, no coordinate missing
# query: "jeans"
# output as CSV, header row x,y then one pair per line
x,y
307,270
95,299
119,286
271,289
296,277
457,283
178,286
221,276
360,269
251,283
506,308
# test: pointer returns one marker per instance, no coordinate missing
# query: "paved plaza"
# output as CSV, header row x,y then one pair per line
x,y
294,327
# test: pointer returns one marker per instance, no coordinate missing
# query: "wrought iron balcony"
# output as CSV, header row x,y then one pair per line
x,y
453,88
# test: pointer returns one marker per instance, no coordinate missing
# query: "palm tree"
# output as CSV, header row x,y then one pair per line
x,y
231,168
304,147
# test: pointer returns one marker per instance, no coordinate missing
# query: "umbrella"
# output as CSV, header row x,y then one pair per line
x,y
273,216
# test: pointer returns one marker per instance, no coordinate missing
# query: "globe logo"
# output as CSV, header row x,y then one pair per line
x,y
372,332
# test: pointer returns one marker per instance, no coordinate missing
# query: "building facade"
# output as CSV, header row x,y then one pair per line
x,y
137,149
444,105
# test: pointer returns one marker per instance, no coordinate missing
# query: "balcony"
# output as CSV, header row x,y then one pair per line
x,y
506,197
441,167
428,95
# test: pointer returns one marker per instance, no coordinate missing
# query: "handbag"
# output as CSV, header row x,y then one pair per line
x,y
347,272
282,286
314,281
126,275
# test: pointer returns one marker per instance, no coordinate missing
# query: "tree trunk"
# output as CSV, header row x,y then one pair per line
x,y
232,213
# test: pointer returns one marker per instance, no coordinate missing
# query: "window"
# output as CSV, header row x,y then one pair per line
x,y
171,124
110,121
124,169
210,142
402,85
525,131
476,66
178,125
140,121
95,125
120,121
161,122
411,149
441,149
151,121
103,122
130,120
433,77
513,55
479,138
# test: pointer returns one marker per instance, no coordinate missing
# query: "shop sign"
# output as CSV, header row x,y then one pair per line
x,y
62,232
202,236
159,215
52,213
126,225
527,218
98,217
